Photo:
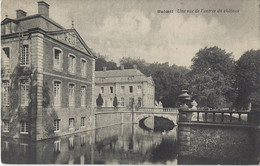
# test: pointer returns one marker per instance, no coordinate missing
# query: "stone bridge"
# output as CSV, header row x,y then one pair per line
x,y
150,113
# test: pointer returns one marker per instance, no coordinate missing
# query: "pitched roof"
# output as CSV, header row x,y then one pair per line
x,y
119,73
122,76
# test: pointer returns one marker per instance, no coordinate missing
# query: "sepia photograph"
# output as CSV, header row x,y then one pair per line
x,y
132,82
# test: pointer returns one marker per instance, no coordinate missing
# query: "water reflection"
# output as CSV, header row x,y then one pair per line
x,y
119,144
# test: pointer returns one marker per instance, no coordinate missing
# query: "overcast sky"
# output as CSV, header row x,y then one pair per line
x,y
134,28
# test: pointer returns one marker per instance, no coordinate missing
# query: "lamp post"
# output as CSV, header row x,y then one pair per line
x,y
184,98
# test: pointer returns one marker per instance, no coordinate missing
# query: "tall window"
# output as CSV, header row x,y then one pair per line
x,y
122,101
139,101
71,142
83,96
5,125
56,125
57,146
57,59
72,64
131,102
82,140
102,89
71,123
111,90
57,93
82,123
139,89
131,89
83,67
24,127
5,93
24,93
71,94
6,57
122,90
25,57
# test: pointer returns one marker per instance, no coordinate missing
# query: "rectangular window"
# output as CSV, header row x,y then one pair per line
x,y
122,101
57,59
131,89
102,89
111,90
83,68
6,57
139,101
25,57
24,93
57,93
56,125
24,127
57,146
131,102
72,64
71,142
122,90
71,123
71,94
5,93
5,125
82,123
139,89
83,96
82,140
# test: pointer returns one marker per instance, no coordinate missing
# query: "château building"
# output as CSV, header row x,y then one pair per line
x,y
47,77
130,86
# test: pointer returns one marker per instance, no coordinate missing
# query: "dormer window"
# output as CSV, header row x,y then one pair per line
x,y
57,59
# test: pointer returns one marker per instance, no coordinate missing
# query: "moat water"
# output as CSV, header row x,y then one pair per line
x,y
119,144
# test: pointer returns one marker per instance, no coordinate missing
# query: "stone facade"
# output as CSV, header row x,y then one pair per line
x,y
48,76
131,87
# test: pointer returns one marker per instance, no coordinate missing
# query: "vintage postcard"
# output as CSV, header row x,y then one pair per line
x,y
131,82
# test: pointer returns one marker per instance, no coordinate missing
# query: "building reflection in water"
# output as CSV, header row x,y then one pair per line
x,y
119,144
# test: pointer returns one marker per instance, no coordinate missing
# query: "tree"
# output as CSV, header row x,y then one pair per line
x,y
99,100
115,103
211,80
102,61
248,79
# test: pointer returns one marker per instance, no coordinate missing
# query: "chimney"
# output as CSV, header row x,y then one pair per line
x,y
104,68
43,8
20,13
122,67
135,66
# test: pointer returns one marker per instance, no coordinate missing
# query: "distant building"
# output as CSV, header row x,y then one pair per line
x,y
130,86
47,77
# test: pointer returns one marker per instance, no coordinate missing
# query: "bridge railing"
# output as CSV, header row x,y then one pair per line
x,y
214,116
154,109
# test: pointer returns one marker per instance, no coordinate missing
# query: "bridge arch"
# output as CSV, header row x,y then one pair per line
x,y
172,117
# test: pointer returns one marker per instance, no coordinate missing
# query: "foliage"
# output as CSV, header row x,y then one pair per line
x,y
115,103
211,79
248,79
102,62
99,100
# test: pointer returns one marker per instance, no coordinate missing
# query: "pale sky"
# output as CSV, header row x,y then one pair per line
x,y
134,28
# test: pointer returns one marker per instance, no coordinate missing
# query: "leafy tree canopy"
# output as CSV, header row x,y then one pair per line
x,y
248,79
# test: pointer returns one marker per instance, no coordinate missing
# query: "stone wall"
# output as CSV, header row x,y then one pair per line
x,y
110,118
217,142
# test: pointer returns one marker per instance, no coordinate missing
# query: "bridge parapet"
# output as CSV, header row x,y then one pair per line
x,y
155,109
214,116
